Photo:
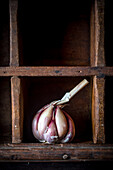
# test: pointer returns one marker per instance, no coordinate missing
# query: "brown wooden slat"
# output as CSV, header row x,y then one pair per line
x,y
14,54
56,71
92,34
97,57
67,152
17,110
99,33
98,60
98,110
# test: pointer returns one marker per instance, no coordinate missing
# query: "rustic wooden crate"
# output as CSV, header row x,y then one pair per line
x,y
47,60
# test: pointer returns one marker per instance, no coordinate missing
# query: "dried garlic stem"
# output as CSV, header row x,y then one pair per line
x,y
66,98
78,88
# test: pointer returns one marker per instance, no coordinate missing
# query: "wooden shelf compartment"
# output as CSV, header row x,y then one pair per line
x,y
41,91
59,36
37,93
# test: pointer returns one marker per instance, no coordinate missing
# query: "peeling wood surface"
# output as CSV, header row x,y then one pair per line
x,y
56,71
55,153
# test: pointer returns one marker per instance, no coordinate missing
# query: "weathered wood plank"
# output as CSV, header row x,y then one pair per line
x,y
97,60
14,54
92,34
97,33
56,71
98,110
56,153
17,110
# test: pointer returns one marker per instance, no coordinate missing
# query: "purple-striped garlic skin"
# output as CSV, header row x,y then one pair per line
x,y
52,125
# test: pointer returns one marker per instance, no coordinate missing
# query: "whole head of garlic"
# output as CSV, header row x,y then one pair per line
x,y
52,125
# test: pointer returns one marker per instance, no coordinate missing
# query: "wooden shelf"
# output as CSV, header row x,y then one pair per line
x,y
56,71
56,153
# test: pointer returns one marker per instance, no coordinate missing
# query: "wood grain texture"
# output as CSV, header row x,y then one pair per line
x,y
55,153
98,110
97,60
56,71
14,55
97,33
92,34
17,111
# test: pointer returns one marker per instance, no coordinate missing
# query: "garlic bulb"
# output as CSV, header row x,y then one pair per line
x,y
52,125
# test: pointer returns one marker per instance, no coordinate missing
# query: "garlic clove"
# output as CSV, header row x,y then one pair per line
x,y
71,130
35,126
44,120
61,123
51,135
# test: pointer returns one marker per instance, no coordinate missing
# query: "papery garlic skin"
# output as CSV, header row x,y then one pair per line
x,y
52,125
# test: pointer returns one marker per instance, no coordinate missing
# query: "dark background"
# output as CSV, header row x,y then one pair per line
x,y
57,166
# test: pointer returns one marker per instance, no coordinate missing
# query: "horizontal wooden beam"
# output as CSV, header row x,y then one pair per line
x,y
56,71
60,152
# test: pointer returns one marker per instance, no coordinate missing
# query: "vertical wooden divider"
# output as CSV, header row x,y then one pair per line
x,y
17,110
16,87
14,54
98,110
98,59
